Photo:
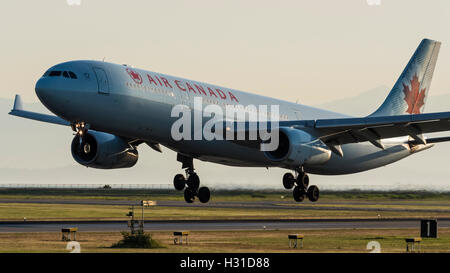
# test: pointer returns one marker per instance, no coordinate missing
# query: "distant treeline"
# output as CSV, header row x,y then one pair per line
x,y
347,194
112,192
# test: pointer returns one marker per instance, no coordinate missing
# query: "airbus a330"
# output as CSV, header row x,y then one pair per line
x,y
114,108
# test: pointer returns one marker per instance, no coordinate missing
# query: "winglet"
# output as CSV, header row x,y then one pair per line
x,y
18,103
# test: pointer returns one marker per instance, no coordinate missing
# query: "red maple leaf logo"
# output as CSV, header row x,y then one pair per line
x,y
413,97
135,76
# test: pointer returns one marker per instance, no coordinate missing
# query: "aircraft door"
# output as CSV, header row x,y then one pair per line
x,y
102,80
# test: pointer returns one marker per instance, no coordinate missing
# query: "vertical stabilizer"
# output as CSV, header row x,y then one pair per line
x,y
409,94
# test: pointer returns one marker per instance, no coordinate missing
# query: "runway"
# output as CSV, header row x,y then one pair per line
x,y
199,225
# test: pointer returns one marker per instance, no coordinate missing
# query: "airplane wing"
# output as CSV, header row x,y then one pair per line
x,y
20,112
336,132
352,130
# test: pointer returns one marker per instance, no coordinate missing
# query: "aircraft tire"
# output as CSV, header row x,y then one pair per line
x,y
288,181
204,194
303,180
179,182
313,193
193,181
299,193
189,195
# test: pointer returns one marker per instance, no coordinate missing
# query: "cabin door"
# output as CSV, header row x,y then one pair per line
x,y
102,80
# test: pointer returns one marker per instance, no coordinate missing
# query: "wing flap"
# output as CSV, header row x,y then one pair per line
x,y
335,132
351,130
438,139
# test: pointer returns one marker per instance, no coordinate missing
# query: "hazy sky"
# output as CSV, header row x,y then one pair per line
x,y
308,50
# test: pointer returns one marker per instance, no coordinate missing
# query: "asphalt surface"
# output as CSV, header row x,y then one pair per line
x,y
86,226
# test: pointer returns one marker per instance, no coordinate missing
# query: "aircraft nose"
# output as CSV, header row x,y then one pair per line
x,y
40,89
46,92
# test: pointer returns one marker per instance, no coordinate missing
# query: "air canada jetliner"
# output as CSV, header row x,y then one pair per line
x,y
113,108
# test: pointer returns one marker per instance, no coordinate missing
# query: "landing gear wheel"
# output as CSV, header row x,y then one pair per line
x,y
179,182
204,194
303,180
288,181
189,195
299,194
313,193
193,181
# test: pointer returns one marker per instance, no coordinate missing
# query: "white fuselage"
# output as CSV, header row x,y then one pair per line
x,y
137,104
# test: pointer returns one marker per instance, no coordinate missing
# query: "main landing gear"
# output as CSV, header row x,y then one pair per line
x,y
192,181
300,184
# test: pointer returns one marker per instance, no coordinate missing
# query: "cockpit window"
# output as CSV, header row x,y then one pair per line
x,y
57,73
54,73
72,75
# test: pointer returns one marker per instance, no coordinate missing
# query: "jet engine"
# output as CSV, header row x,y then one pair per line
x,y
103,151
297,148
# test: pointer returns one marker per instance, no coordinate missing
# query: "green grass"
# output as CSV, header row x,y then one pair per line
x,y
17,211
344,200
331,240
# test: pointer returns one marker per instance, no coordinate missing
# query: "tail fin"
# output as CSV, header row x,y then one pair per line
x,y
408,96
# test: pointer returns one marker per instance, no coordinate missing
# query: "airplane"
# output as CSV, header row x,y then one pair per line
x,y
114,108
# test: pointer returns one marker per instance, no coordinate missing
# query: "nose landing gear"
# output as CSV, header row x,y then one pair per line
x,y
191,184
300,184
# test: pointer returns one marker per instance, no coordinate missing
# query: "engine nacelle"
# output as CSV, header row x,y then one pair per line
x,y
103,151
297,148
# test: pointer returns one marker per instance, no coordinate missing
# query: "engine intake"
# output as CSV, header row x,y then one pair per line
x,y
297,147
103,151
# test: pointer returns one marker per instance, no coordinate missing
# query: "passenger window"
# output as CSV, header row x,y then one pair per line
x,y
72,75
65,74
